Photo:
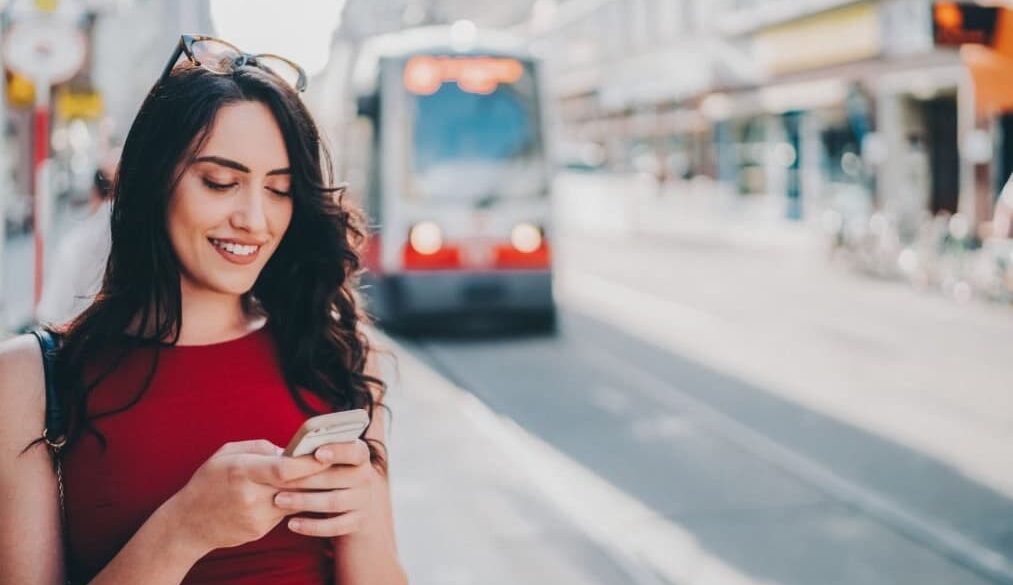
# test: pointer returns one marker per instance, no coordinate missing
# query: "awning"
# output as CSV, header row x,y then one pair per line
x,y
992,73
992,68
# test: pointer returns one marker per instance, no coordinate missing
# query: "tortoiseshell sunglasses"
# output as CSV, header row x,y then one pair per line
x,y
221,57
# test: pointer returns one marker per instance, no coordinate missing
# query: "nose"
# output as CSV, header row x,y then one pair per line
x,y
249,214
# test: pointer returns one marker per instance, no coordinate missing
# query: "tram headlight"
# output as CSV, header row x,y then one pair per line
x,y
526,237
426,237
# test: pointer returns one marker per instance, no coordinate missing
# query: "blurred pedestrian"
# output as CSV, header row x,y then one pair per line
x,y
913,199
75,276
226,317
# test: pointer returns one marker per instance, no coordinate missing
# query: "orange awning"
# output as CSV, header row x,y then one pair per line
x,y
992,74
992,68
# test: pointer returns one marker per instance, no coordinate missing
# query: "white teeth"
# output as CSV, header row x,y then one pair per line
x,y
237,249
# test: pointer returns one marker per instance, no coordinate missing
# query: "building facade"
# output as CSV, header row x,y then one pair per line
x,y
816,104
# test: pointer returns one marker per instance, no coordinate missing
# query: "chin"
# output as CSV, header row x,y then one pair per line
x,y
235,287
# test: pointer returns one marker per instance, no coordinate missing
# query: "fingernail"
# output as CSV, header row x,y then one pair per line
x,y
325,455
283,499
294,524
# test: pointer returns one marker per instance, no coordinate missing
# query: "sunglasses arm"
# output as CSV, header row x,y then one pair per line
x,y
172,60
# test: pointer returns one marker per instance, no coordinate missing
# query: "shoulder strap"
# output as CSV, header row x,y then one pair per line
x,y
56,422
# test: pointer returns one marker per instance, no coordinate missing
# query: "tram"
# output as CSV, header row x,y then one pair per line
x,y
451,144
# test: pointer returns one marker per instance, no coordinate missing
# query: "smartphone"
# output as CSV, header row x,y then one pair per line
x,y
336,427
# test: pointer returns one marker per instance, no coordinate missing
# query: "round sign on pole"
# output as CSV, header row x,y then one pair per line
x,y
47,49
50,48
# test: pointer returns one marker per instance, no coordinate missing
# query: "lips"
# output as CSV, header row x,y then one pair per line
x,y
236,252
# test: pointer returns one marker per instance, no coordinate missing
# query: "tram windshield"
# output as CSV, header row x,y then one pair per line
x,y
476,129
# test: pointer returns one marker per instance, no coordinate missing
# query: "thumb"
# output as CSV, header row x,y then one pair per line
x,y
254,447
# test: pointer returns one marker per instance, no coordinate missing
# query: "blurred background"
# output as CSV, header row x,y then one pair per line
x,y
680,291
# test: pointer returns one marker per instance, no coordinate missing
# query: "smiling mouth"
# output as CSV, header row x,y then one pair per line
x,y
241,250
236,253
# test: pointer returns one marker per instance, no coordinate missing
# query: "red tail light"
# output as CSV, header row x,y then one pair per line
x,y
509,257
446,258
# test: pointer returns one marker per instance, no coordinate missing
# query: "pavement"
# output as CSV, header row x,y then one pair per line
x,y
624,205
478,500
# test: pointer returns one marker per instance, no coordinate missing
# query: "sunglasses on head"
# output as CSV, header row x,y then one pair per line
x,y
218,56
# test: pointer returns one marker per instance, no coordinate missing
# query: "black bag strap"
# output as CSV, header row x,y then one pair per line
x,y
55,432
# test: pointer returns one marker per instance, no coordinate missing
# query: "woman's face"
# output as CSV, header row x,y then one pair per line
x,y
231,208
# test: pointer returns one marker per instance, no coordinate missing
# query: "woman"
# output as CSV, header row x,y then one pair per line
x,y
226,317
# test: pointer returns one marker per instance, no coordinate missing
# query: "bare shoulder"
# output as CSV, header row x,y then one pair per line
x,y
20,362
22,388
20,348
28,489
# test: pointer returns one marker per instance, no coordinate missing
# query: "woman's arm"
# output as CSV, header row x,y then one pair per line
x,y
228,501
31,540
369,555
31,549
156,554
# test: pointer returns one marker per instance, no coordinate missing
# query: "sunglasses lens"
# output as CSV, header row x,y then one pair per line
x,y
215,55
287,71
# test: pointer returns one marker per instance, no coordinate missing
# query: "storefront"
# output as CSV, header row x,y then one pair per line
x,y
869,108
821,115
990,69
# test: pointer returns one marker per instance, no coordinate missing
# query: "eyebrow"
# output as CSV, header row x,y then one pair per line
x,y
237,165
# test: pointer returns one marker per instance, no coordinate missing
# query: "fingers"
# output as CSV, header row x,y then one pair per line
x,y
330,502
353,453
341,525
334,478
275,470
256,447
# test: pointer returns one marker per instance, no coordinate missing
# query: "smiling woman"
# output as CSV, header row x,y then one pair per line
x,y
227,315
228,210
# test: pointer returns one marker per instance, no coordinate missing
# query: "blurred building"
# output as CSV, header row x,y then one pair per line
x,y
813,104
126,43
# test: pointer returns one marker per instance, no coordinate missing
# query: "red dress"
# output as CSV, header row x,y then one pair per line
x,y
200,398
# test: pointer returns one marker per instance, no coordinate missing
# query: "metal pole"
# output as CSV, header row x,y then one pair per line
x,y
40,199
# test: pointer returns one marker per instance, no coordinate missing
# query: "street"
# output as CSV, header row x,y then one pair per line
x,y
800,424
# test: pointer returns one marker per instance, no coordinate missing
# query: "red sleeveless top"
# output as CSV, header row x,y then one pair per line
x,y
200,398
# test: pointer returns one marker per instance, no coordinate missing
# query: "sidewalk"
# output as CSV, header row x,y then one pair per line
x,y
697,211
465,511
479,501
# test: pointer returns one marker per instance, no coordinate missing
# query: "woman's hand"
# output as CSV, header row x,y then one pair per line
x,y
229,500
344,492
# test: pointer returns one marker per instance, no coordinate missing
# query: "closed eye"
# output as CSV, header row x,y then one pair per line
x,y
279,192
218,186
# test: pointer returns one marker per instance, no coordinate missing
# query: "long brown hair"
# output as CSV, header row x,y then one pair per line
x,y
307,289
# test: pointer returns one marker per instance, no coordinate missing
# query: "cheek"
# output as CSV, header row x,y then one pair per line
x,y
188,216
281,216
177,220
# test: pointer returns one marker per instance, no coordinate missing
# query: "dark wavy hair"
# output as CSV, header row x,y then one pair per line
x,y
307,289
